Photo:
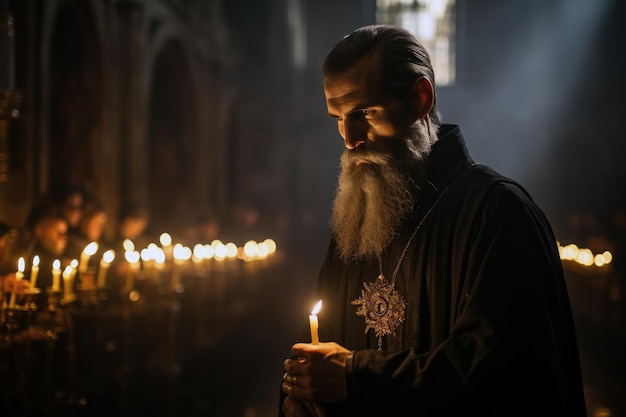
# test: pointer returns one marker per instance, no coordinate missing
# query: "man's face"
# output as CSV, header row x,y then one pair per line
x,y
93,228
52,235
133,227
73,209
365,114
382,166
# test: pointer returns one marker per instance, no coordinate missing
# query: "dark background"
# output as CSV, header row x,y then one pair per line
x,y
215,109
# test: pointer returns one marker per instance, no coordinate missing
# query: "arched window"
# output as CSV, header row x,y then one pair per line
x,y
433,23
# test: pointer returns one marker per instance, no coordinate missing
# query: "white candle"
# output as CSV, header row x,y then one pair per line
x,y
56,275
313,323
159,264
34,271
67,281
86,254
107,258
133,259
73,267
21,266
181,254
166,244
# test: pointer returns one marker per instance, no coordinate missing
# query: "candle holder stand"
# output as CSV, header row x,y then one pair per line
x,y
30,299
68,299
10,324
89,297
53,298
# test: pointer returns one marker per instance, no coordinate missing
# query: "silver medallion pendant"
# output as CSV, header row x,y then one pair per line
x,y
381,306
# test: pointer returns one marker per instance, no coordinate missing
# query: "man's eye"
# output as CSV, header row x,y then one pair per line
x,y
366,112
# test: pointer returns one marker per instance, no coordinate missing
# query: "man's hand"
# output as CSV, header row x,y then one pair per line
x,y
9,282
293,407
317,372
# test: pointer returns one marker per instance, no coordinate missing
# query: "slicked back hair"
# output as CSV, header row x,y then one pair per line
x,y
400,60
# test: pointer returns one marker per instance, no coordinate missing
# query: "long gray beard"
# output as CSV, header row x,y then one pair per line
x,y
374,197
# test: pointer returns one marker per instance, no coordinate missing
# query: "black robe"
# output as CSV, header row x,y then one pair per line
x,y
488,329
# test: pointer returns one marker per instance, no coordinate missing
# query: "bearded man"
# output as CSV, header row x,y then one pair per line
x,y
443,291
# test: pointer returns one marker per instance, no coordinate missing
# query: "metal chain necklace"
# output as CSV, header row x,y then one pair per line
x,y
380,304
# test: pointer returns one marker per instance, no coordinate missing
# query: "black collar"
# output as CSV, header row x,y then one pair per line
x,y
448,158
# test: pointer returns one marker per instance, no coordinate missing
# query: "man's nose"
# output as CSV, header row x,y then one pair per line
x,y
354,134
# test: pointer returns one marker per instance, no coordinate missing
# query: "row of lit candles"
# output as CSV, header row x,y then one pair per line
x,y
70,271
155,256
584,256
68,274
151,256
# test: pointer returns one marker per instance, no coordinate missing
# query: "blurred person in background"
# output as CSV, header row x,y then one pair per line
x,y
46,230
8,263
71,200
132,222
91,228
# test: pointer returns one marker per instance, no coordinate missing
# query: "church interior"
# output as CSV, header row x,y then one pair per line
x,y
210,117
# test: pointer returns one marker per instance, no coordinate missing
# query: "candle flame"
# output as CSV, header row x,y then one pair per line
x,y
262,250
317,308
152,252
231,250
271,245
165,239
128,245
132,256
74,263
67,272
146,255
36,260
209,251
56,264
108,256
159,257
182,252
220,251
91,249
198,251
21,264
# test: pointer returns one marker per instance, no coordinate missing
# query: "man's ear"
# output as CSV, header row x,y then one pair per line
x,y
422,97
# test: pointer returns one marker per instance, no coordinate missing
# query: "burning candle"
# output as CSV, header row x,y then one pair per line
x,y
73,267
34,271
181,255
198,257
107,258
67,281
56,275
21,266
128,245
86,254
166,244
133,258
313,323
159,263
